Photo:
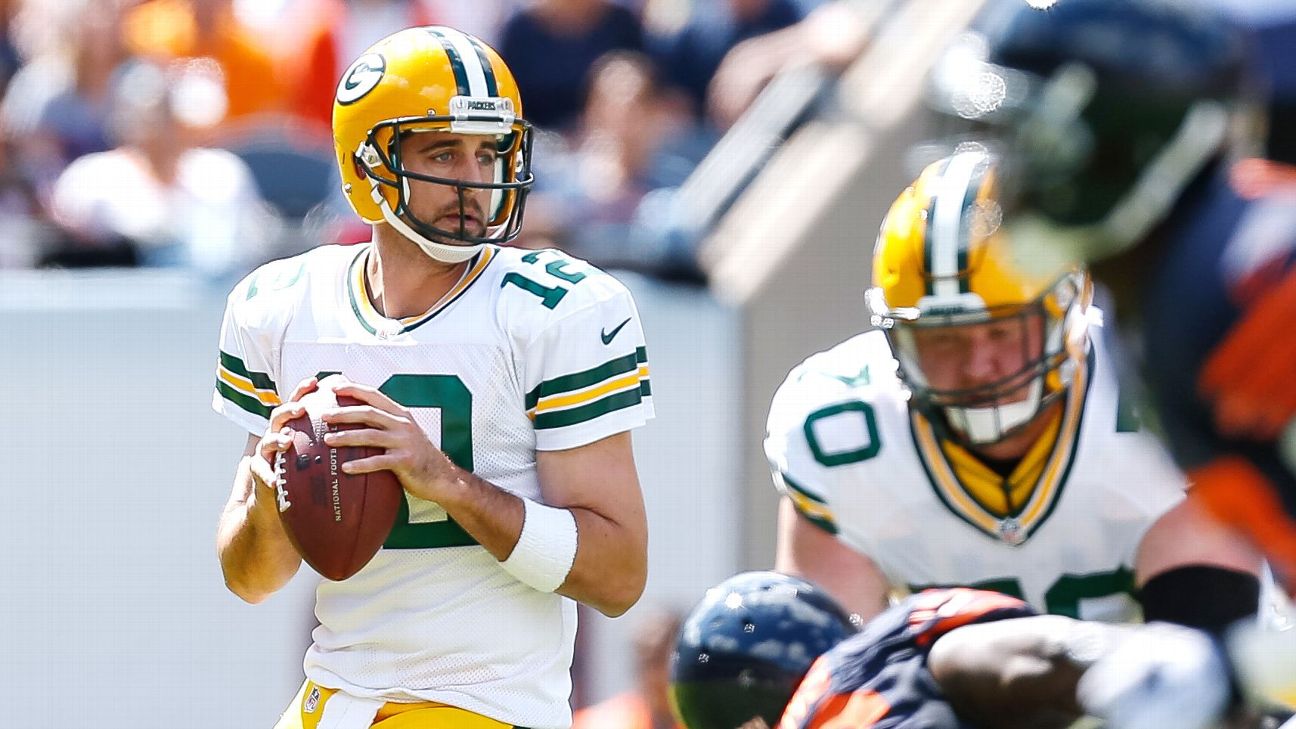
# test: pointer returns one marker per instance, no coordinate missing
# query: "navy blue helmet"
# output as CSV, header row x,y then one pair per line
x,y
742,651
1104,110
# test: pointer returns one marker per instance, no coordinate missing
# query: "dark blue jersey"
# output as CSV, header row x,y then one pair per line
x,y
878,679
1221,253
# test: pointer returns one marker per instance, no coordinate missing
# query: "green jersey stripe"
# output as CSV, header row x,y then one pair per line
x,y
801,489
259,380
580,380
611,403
824,524
645,388
250,404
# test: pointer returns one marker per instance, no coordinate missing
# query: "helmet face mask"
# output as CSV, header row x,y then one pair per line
x,y
432,79
381,162
1022,357
984,341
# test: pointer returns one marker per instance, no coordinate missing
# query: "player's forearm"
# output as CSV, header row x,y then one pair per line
x,y
255,555
810,552
610,567
1012,673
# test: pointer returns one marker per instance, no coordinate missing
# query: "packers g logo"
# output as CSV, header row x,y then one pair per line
x,y
361,77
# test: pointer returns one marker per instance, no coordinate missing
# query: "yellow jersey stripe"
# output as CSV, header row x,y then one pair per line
x,y
1061,453
471,275
955,472
243,384
808,507
364,302
947,482
558,402
570,398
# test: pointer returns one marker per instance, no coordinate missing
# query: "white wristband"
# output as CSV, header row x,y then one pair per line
x,y
546,549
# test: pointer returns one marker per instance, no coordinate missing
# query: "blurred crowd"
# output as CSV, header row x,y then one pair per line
x,y
195,133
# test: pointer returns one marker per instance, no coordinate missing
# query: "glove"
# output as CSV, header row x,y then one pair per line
x,y
1266,662
1160,675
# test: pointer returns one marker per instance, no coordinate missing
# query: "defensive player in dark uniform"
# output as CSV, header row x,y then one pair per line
x,y
1116,118
941,659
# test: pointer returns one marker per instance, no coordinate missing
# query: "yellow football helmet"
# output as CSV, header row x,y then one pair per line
x,y
430,79
946,282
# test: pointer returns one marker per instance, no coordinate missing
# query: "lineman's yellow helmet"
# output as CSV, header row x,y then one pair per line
x,y
943,270
430,79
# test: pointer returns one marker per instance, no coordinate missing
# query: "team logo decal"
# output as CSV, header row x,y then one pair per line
x,y
1011,531
312,701
360,79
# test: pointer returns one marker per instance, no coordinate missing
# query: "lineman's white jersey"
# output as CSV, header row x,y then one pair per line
x,y
532,350
846,448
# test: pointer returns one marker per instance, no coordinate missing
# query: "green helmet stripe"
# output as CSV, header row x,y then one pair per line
x,y
456,63
492,89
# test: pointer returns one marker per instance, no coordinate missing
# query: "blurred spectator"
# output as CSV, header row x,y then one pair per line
x,y
632,139
9,57
192,29
482,18
303,37
312,41
553,44
27,231
689,58
57,105
831,36
156,198
647,705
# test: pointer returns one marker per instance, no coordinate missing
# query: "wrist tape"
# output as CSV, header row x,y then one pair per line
x,y
546,549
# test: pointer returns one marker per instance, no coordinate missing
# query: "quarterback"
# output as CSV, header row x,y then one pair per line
x,y
501,385
979,438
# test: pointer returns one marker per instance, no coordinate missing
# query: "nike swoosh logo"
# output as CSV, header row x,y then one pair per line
x,y
609,336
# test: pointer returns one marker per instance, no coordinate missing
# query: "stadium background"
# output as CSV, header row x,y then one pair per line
x,y
744,234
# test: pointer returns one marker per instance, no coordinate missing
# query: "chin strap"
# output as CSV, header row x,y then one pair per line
x,y
438,251
442,252
988,424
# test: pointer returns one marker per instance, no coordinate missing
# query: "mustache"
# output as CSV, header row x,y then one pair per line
x,y
469,207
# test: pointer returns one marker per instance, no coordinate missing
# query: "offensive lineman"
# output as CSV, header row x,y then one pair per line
x,y
501,383
979,439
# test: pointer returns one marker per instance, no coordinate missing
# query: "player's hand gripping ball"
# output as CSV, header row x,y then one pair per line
x,y
337,521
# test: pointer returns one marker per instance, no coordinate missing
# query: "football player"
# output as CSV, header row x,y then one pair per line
x,y
501,385
1132,173
1118,152
749,657
980,437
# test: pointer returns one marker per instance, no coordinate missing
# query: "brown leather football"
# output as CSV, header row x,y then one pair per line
x,y
337,521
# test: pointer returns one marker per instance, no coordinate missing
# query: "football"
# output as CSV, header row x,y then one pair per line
x,y
336,521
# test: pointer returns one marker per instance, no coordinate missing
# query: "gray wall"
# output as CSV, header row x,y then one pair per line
x,y
113,610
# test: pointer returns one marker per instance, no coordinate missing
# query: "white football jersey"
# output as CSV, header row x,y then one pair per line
x,y
531,350
846,448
